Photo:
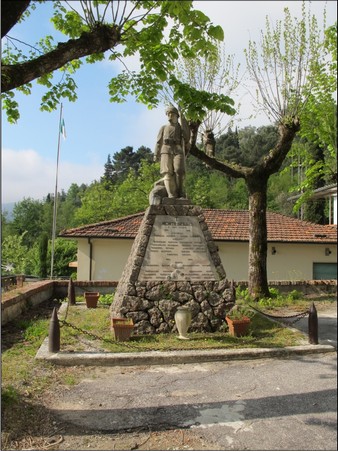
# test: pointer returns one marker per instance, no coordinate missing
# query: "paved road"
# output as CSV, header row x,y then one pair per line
x,y
268,404
261,404
327,326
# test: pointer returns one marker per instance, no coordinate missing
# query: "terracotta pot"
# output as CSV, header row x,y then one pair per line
x,y
122,328
238,327
91,299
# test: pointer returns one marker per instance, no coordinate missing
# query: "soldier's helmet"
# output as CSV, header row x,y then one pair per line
x,y
172,109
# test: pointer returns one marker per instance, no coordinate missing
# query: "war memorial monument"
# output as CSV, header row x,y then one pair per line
x,y
174,261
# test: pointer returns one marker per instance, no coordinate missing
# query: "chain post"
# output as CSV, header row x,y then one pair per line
x,y
313,325
54,333
71,292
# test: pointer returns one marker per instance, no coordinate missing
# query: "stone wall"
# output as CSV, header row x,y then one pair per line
x,y
152,303
15,302
33,295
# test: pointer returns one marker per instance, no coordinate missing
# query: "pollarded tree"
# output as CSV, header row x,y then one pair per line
x,y
155,31
283,69
215,76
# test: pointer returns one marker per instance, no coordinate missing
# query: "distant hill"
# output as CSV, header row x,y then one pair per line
x,y
8,208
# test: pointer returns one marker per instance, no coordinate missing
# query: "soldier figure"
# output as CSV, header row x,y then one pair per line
x,y
172,145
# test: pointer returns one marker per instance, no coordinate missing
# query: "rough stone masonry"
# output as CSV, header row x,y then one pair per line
x,y
173,262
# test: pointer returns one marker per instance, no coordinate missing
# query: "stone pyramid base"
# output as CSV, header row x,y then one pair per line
x,y
173,262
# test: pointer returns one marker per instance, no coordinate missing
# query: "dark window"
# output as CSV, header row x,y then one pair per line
x,y
324,270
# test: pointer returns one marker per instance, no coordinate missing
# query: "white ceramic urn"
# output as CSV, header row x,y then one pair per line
x,y
183,320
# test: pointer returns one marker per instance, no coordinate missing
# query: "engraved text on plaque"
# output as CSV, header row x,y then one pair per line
x,y
177,251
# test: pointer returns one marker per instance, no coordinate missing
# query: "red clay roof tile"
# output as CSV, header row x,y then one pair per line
x,y
224,225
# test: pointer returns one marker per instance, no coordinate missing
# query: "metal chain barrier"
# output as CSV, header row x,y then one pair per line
x,y
109,341
281,319
87,333
298,317
64,323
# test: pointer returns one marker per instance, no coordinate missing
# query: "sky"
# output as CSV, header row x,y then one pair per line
x,y
95,127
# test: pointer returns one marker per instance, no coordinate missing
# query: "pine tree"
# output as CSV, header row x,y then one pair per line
x,y
108,172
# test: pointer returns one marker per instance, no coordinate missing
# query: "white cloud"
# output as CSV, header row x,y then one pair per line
x,y
26,174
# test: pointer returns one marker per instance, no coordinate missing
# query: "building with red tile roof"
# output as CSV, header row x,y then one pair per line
x,y
296,249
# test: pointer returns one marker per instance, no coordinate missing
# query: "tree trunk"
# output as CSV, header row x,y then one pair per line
x,y
256,180
11,11
257,277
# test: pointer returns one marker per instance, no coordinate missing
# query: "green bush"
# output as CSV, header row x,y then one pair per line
x,y
106,299
274,293
295,295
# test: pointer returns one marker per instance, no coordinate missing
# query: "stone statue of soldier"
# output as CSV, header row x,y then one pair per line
x,y
172,146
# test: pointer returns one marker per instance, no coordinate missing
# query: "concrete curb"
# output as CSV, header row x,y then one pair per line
x,y
173,357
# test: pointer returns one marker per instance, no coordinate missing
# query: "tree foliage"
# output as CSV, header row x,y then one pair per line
x,y
14,254
43,249
319,125
246,146
27,220
96,204
283,69
157,32
127,159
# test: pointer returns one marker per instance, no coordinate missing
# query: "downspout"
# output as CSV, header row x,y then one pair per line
x,y
90,258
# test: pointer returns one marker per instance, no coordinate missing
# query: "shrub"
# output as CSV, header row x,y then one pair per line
x,y
106,299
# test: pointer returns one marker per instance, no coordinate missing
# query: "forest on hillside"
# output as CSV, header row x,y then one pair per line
x,y
123,189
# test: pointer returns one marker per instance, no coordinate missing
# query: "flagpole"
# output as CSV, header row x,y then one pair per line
x,y
55,197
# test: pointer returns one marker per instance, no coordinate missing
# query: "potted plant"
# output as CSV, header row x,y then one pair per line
x,y
238,321
122,328
91,299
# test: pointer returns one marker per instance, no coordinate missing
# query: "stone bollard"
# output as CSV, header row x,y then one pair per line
x,y
71,292
313,325
54,333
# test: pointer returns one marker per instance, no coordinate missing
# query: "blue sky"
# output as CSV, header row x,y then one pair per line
x,y
95,127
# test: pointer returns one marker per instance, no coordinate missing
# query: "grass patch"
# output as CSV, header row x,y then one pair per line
x,y
262,333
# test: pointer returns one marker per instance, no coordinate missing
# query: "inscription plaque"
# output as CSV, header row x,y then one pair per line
x,y
177,251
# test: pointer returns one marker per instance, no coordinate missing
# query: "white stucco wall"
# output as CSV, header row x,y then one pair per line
x,y
108,258
335,209
292,261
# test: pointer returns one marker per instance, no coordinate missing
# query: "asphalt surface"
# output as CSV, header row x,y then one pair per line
x,y
239,403
267,404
